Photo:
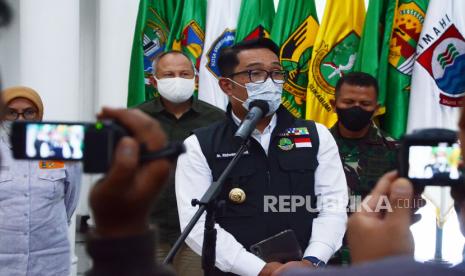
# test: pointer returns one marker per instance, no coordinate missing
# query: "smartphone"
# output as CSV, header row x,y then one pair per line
x,y
48,141
92,143
432,157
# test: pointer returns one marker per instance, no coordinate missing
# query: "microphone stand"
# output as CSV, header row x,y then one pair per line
x,y
211,204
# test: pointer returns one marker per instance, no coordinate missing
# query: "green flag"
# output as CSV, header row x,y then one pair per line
x,y
408,23
255,19
188,29
150,36
373,51
294,30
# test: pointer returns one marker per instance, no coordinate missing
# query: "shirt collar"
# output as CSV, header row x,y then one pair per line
x,y
268,129
195,104
158,105
373,135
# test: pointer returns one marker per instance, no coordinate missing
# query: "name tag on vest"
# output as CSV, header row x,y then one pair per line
x,y
224,155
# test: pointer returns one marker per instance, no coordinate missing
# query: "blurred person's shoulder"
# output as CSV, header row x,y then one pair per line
x,y
151,107
208,109
400,265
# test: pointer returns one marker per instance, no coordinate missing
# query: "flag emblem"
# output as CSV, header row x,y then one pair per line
x,y
154,41
285,144
226,39
406,32
445,62
192,40
303,142
335,62
259,32
295,56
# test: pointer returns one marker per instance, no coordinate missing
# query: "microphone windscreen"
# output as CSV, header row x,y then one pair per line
x,y
263,105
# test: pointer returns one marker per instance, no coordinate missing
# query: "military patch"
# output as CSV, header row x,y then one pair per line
x,y
46,165
285,144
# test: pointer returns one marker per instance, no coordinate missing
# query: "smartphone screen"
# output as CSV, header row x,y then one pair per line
x,y
442,161
56,141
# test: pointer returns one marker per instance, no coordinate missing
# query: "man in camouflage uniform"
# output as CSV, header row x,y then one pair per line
x,y
366,159
366,152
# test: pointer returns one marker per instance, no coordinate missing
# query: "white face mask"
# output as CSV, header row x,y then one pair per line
x,y
176,90
268,91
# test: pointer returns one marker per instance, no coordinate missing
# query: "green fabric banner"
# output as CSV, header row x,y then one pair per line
x,y
150,37
294,30
373,51
406,30
255,19
188,30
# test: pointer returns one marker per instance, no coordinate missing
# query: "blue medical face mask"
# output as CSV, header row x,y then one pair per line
x,y
267,91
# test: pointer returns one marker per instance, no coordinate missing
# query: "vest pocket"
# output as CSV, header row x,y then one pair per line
x,y
241,179
298,160
300,167
239,218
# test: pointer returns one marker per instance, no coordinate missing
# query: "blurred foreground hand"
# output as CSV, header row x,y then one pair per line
x,y
375,235
121,201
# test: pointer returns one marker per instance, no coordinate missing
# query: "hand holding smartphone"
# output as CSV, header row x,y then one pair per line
x,y
432,157
92,143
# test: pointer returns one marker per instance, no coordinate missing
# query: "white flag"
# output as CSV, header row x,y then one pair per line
x,y
222,17
438,80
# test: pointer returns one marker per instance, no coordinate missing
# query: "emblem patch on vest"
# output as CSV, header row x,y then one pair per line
x,y
285,144
295,131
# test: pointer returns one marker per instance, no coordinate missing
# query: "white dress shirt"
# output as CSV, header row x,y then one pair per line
x,y
194,176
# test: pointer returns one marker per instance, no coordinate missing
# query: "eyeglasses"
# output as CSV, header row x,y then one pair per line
x,y
260,76
28,114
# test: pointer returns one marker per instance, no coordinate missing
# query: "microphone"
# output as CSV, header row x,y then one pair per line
x,y
257,110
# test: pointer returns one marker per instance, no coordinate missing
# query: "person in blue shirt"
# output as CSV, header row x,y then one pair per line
x,y
37,200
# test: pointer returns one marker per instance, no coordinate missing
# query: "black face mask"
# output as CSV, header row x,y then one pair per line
x,y
354,118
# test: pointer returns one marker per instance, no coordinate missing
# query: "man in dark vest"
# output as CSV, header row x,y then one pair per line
x,y
290,163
